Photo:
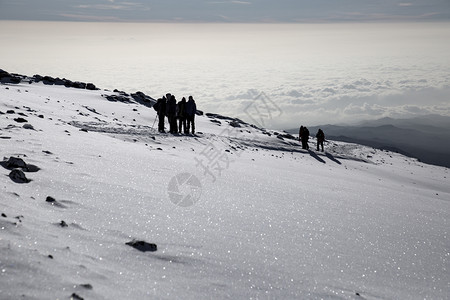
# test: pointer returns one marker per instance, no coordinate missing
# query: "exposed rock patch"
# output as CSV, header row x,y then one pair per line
x,y
54,202
18,163
142,246
20,120
18,176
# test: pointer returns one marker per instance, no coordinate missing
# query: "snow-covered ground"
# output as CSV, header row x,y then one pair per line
x,y
235,212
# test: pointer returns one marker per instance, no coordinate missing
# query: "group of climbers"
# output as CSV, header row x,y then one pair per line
x,y
303,137
180,116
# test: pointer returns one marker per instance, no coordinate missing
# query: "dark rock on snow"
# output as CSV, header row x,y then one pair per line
x,y
6,77
86,286
18,163
14,162
18,176
20,120
48,80
28,126
55,203
142,246
143,99
74,296
50,199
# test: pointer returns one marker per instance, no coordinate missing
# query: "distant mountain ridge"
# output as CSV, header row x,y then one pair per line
x,y
426,137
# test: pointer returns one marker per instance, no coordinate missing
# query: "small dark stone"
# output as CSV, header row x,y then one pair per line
x,y
75,297
87,286
50,256
28,126
357,294
63,224
31,168
159,148
84,130
41,116
142,246
47,152
20,120
50,199
4,216
18,176
10,111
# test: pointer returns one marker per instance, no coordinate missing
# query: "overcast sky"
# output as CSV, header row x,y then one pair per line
x,y
225,10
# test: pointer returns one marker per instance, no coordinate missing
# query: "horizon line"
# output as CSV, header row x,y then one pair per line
x,y
372,21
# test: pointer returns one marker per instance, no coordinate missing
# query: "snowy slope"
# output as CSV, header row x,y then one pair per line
x,y
258,218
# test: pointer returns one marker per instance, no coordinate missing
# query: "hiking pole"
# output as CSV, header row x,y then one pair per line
x,y
154,121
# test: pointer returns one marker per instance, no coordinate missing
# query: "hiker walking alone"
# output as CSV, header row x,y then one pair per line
x,y
305,138
320,139
181,115
191,108
160,108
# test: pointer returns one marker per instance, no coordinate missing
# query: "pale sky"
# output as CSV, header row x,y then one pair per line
x,y
226,10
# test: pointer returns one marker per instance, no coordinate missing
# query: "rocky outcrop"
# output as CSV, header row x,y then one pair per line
x,y
48,80
6,77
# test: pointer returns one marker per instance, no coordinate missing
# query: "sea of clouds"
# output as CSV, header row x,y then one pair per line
x,y
290,74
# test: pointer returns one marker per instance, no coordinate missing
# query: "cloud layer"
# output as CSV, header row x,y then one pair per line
x,y
281,75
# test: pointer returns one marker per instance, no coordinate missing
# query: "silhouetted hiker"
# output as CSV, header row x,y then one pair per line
x,y
300,132
168,96
181,115
191,108
305,138
172,114
320,139
160,108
